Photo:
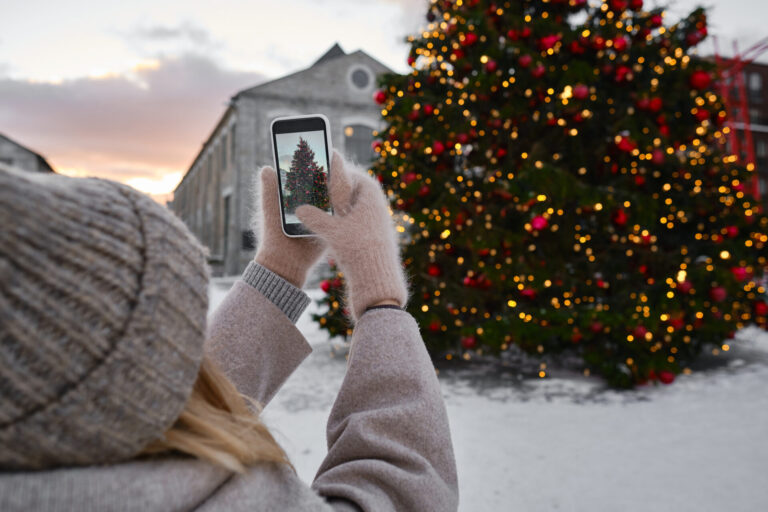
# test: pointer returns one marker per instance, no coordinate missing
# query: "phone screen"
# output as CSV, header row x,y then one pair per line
x,y
302,161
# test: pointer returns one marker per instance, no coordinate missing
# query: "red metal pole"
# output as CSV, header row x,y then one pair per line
x,y
747,128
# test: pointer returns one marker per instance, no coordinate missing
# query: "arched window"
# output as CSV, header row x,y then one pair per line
x,y
358,141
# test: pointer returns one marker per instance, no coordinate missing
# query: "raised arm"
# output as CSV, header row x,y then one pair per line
x,y
389,443
251,335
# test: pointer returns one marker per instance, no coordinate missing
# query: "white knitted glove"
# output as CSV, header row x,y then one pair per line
x,y
362,237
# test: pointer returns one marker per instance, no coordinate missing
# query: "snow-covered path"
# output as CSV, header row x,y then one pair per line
x,y
700,444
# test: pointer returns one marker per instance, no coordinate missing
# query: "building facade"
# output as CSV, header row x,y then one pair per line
x,y
215,198
14,154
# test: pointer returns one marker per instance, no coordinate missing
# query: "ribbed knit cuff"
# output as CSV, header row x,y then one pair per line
x,y
291,300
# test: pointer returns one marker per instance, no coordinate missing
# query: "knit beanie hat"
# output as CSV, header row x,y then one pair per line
x,y
103,300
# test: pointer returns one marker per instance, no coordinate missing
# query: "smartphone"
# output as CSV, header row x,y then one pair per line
x,y
302,149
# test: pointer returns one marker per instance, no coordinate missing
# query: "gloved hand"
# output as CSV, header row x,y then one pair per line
x,y
362,237
290,258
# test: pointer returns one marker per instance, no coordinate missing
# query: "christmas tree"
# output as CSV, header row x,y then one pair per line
x,y
305,181
559,173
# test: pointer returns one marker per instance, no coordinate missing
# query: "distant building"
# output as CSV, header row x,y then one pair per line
x,y
755,77
14,154
215,196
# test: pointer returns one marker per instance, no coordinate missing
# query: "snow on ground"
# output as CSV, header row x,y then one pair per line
x,y
566,443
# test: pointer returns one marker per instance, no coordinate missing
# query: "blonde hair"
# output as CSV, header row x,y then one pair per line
x,y
216,425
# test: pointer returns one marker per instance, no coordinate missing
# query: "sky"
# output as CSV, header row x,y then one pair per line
x,y
130,90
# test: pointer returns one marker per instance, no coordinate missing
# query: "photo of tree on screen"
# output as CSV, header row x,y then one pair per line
x,y
303,172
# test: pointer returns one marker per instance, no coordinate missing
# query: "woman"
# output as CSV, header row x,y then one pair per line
x,y
114,395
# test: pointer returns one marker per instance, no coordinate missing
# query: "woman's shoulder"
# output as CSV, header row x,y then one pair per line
x,y
265,486
158,484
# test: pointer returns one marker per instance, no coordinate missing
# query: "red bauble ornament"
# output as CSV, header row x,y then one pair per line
x,y
547,42
501,153
411,60
525,60
580,91
575,48
618,5
620,43
732,231
657,156
413,115
336,282
538,223
438,148
428,109
684,286
702,114
700,79
740,273
434,270
469,39
325,285
538,71
376,145
761,308
656,20
666,377
525,32
623,73
639,332
458,53
619,217
639,180
626,144
677,323
528,293
636,5
512,34
598,42
664,130
468,342
380,97
435,325
596,326
409,177
491,66
655,104
462,138
424,191
717,293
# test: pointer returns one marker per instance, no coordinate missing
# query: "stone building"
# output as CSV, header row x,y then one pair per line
x,y
14,154
215,196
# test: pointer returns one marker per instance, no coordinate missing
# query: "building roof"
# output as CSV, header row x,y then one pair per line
x,y
334,52
44,165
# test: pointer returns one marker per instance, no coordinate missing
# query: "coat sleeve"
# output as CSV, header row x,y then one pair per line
x,y
389,443
254,342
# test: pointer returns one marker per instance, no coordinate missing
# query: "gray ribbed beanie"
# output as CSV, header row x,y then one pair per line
x,y
103,299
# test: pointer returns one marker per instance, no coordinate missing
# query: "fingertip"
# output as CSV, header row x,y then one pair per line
x,y
267,173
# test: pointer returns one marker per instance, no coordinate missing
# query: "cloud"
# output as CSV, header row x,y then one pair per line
x,y
185,34
145,123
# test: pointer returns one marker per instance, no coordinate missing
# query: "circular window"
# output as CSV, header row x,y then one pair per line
x,y
361,78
